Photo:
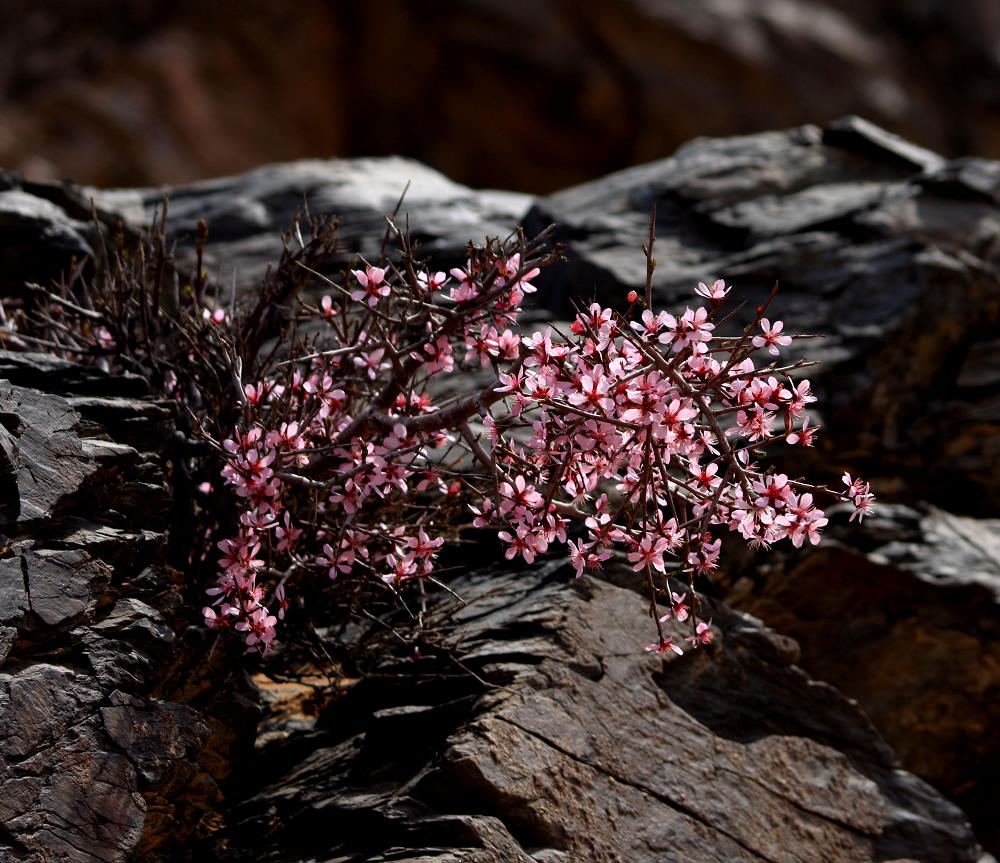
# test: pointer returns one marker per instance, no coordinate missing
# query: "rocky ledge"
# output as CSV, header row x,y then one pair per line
x,y
542,731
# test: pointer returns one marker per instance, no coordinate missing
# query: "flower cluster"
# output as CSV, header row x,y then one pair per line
x,y
644,428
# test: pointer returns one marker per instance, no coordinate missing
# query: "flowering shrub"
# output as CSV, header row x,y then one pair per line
x,y
355,432
351,454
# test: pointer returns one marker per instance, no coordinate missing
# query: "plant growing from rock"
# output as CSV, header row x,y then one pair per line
x,y
357,429
644,426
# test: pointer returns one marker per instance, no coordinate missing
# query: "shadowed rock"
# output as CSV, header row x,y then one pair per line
x,y
906,619
93,766
584,748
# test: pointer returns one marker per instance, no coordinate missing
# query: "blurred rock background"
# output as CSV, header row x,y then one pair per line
x,y
534,95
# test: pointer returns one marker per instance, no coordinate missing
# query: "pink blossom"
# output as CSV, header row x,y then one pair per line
x,y
678,609
706,559
863,505
329,561
423,549
665,647
755,424
521,542
717,291
259,628
592,392
371,362
799,397
651,324
255,393
690,329
773,491
670,533
518,494
466,288
218,317
704,477
279,598
403,569
772,336
485,346
431,281
439,356
240,555
702,634
805,436
484,516
507,346
802,520
373,286
326,308
286,534
578,552
509,269
854,486
216,621
648,552
643,402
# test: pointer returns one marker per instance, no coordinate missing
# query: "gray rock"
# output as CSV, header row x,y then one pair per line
x,y
161,739
63,586
45,457
247,214
578,746
886,251
593,750
904,617
91,767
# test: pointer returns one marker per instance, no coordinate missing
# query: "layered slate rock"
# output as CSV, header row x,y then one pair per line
x,y
905,617
247,214
47,230
550,736
96,762
885,250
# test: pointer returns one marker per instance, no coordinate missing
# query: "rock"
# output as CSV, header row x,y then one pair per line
x,y
48,230
906,620
247,214
96,762
62,792
883,249
579,747
162,740
546,94
46,460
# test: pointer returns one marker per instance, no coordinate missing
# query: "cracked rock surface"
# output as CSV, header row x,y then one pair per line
x,y
917,639
578,748
96,762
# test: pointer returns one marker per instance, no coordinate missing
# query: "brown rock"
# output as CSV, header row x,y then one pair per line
x,y
592,750
535,95
911,629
